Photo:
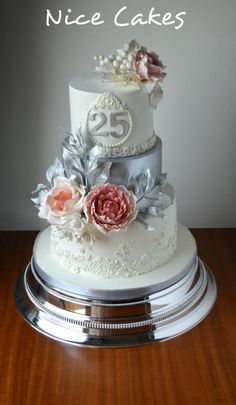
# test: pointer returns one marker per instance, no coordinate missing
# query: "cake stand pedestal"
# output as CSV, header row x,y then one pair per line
x,y
149,308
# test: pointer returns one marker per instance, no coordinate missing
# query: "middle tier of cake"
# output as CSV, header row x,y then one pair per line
x,y
135,166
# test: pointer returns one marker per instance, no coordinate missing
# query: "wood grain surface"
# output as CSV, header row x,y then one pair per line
x,y
198,367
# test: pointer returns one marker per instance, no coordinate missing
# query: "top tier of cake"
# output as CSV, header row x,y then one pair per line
x,y
118,116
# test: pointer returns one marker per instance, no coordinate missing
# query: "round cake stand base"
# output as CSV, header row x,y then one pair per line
x,y
86,321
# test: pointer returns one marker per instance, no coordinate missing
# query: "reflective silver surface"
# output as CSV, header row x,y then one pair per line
x,y
82,320
123,167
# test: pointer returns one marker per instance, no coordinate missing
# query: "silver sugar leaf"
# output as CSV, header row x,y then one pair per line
x,y
155,95
54,171
39,188
152,201
149,181
80,157
133,184
152,211
73,161
142,219
95,153
161,200
145,184
161,180
100,174
38,201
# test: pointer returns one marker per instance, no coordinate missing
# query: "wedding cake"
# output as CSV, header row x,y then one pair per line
x,y
113,268
111,210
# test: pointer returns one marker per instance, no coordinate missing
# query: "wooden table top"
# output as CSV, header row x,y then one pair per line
x,y
198,367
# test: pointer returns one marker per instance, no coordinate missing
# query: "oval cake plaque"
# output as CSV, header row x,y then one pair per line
x,y
109,121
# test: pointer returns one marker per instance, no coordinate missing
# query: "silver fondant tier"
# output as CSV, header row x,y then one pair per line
x,y
123,167
135,165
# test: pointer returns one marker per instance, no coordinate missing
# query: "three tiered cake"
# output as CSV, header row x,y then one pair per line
x,y
113,231
111,210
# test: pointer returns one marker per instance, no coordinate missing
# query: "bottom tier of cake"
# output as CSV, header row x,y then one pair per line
x,y
81,310
119,254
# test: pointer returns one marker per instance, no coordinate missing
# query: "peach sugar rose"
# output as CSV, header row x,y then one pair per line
x,y
65,198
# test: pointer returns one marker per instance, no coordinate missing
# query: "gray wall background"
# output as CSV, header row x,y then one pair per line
x,y
196,119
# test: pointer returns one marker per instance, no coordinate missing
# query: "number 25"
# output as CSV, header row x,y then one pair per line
x,y
114,121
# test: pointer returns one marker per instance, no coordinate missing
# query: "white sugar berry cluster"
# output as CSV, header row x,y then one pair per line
x,y
122,62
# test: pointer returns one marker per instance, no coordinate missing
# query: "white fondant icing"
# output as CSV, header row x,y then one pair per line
x,y
163,276
84,92
119,254
130,150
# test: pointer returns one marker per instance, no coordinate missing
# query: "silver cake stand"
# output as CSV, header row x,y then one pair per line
x,y
97,317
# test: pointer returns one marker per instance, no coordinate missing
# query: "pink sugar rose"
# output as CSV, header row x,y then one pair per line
x,y
148,66
110,208
65,198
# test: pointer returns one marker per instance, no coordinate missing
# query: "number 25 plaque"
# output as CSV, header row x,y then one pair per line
x,y
109,121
